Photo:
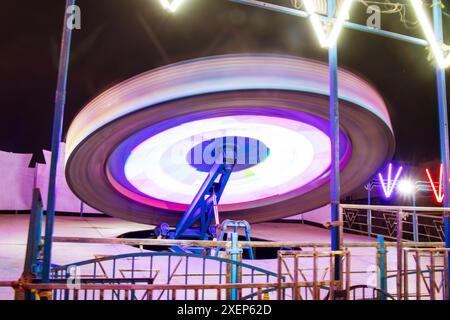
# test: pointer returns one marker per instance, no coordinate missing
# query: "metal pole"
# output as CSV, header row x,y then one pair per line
x,y
399,253
234,251
34,234
60,99
382,280
369,211
415,222
443,123
334,134
347,24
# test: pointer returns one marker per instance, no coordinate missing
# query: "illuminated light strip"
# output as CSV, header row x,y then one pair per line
x,y
439,195
390,185
158,166
318,27
425,23
171,6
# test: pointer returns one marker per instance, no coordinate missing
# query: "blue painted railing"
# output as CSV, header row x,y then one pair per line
x,y
128,269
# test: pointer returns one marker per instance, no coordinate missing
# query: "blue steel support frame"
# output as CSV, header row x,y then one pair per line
x,y
60,100
443,126
235,225
234,251
382,280
335,155
202,207
31,266
347,24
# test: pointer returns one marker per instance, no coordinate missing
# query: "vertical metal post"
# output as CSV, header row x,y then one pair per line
x,y
443,122
234,251
418,276
399,253
334,134
81,209
369,211
415,221
406,275
382,279
432,284
60,100
34,235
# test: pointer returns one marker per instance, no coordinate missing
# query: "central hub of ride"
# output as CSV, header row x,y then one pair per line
x,y
243,151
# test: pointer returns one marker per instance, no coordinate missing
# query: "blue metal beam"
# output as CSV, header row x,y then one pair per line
x,y
201,208
335,155
234,252
443,127
34,237
382,280
347,24
58,117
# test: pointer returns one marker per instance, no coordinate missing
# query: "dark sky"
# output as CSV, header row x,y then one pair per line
x,y
122,38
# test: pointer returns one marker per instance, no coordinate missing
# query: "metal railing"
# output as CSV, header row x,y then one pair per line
x,y
417,223
163,269
169,275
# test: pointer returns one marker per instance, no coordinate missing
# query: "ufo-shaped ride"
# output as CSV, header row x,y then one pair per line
x,y
141,150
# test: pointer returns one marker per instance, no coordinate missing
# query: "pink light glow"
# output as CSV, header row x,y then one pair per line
x,y
299,154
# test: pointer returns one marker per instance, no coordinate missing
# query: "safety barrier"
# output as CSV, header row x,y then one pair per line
x,y
390,270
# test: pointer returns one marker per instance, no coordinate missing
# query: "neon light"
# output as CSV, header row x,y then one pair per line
x,y
436,47
299,154
331,40
171,6
438,194
388,187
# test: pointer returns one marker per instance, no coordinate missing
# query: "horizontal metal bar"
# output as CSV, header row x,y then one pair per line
x,y
137,287
8,284
347,24
386,34
427,249
141,242
254,244
273,7
394,208
109,280
166,242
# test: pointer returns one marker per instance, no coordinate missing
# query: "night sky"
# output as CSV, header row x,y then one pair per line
x,y
122,38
